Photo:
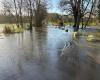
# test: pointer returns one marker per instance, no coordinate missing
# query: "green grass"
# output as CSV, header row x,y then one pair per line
x,y
89,24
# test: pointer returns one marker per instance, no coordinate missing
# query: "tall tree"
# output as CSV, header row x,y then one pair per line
x,y
78,9
29,11
7,9
16,12
98,10
20,8
36,9
40,12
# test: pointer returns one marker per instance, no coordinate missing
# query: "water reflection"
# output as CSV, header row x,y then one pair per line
x,y
37,56
78,65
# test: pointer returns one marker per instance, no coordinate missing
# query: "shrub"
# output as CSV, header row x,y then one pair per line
x,y
7,29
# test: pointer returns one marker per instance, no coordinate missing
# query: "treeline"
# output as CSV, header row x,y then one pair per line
x,y
12,19
20,11
55,18
35,12
51,17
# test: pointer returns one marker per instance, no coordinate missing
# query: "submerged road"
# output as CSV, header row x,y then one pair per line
x,y
39,56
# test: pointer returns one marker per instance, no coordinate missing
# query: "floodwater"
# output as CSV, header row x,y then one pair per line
x,y
38,56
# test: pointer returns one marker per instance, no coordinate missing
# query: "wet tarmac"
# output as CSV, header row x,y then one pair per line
x,y
38,56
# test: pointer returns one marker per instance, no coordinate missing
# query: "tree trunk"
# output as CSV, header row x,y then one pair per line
x,y
17,17
31,15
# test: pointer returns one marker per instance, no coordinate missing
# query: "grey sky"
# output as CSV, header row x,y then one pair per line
x,y
52,9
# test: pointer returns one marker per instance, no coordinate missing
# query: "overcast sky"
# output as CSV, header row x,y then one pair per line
x,y
0,3
52,9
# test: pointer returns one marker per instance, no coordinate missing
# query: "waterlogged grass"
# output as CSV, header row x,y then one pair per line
x,y
89,23
93,37
13,29
10,28
68,23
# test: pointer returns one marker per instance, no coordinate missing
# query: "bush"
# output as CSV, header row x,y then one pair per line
x,y
7,29
10,30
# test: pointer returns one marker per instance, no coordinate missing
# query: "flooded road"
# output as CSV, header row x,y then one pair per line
x,y
38,56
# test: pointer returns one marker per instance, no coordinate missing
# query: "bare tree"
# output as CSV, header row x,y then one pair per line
x,y
29,10
36,9
31,14
7,9
16,12
98,6
20,8
78,8
40,12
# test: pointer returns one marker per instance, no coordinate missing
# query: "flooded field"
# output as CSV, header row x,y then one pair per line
x,y
38,56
